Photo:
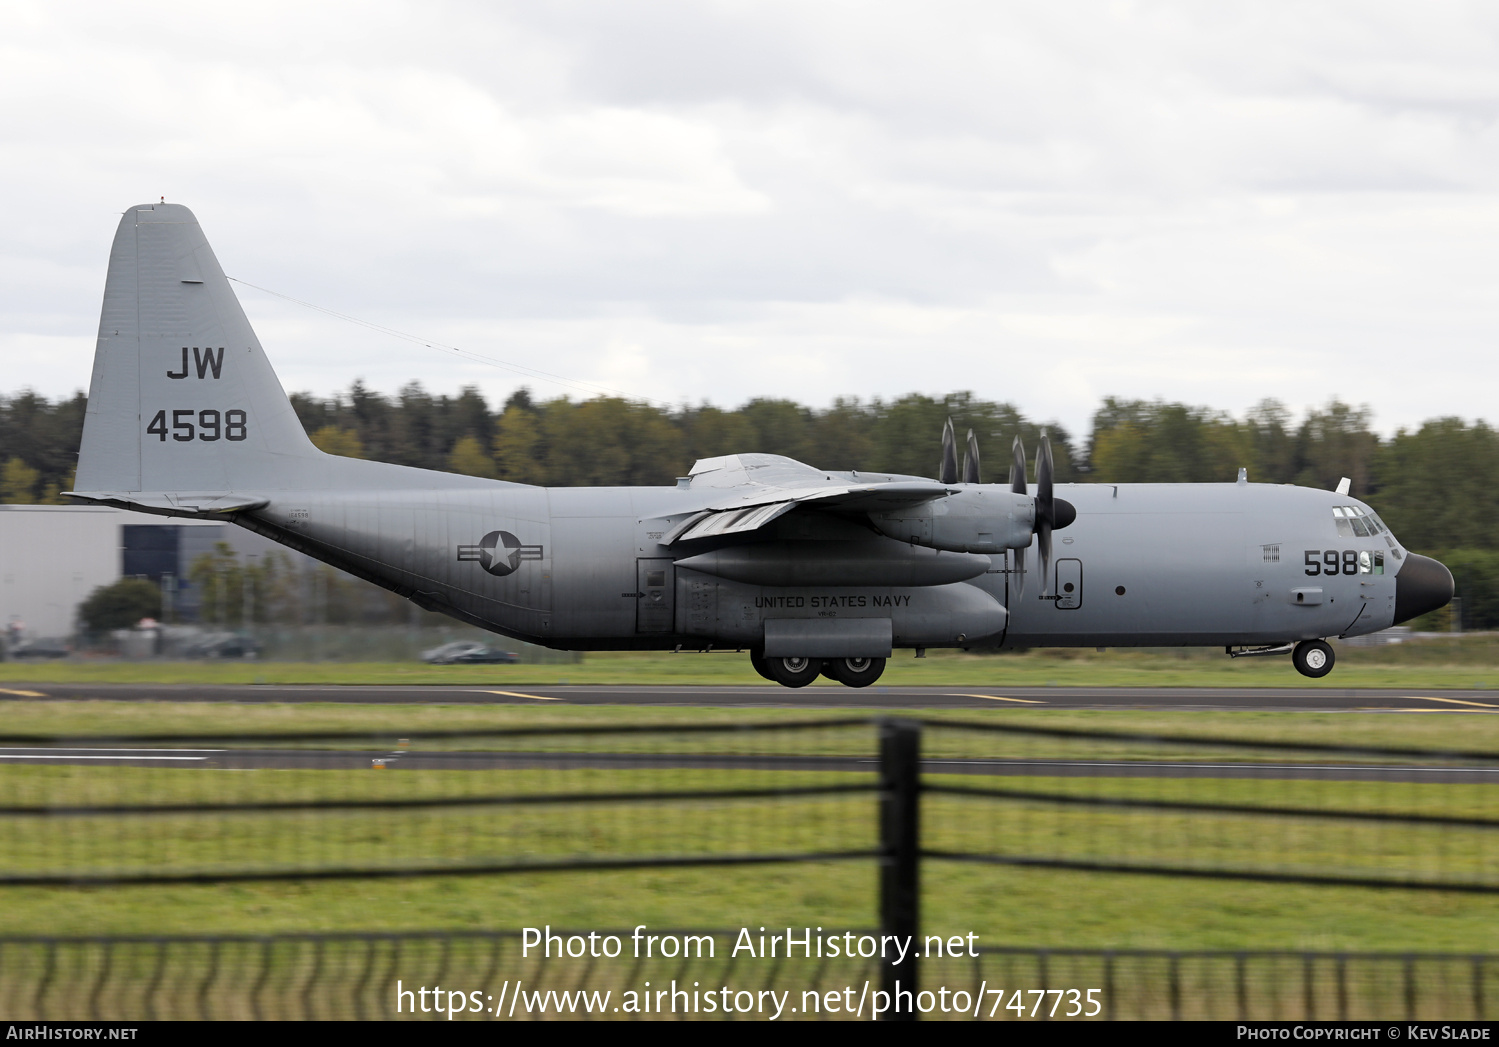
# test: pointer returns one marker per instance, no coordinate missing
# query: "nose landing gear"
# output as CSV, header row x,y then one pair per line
x,y
1313,658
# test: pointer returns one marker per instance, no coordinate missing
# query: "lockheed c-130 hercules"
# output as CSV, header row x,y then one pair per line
x,y
811,571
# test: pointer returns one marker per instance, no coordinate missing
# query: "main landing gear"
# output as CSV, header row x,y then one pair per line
x,y
798,672
1313,658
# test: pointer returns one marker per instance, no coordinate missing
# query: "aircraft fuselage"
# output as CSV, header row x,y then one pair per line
x,y
1142,565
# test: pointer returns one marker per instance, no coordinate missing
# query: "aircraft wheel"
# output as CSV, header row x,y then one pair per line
x,y
1313,658
757,661
854,672
793,672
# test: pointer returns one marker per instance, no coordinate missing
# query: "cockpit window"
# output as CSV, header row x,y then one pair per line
x,y
1354,522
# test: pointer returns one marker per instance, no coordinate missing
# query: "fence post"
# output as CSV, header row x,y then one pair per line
x,y
900,861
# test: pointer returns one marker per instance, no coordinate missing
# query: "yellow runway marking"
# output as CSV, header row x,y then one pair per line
x,y
517,694
1453,701
1419,709
998,698
24,694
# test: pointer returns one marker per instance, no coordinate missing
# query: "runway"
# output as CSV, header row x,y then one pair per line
x,y
1288,699
824,699
364,759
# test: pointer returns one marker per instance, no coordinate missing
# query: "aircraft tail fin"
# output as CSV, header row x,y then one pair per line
x,y
182,398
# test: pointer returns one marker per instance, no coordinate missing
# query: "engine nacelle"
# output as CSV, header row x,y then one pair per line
x,y
975,519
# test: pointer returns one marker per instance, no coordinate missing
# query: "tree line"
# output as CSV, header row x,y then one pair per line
x,y
1436,486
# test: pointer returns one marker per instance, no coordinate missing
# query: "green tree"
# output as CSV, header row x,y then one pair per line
x,y
342,442
120,606
1136,441
18,482
1476,572
1438,488
709,432
841,436
609,442
219,579
779,427
518,449
1336,442
1273,447
468,457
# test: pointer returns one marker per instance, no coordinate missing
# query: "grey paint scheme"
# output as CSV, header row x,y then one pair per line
x,y
610,568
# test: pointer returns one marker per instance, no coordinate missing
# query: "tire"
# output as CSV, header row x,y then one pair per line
x,y
757,662
854,672
793,672
1313,658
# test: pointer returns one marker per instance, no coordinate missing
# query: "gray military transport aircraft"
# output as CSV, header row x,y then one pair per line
x,y
810,571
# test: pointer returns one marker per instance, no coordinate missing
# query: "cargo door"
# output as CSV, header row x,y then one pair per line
x,y
654,605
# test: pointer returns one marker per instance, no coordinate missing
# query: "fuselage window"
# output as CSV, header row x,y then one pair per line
x,y
1370,562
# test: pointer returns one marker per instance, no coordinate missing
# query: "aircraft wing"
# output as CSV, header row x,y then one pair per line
x,y
757,488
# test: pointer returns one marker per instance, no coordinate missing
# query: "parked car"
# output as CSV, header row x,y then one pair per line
x,y
469,652
222,645
39,649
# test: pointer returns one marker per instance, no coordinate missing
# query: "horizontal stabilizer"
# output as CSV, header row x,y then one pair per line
x,y
173,503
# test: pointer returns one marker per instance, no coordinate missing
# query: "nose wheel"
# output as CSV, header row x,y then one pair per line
x,y
1313,658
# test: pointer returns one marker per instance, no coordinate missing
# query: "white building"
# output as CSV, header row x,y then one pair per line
x,y
53,556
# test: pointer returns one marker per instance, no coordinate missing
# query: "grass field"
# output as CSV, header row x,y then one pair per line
x,y
1459,662
1438,730
1002,905
1035,907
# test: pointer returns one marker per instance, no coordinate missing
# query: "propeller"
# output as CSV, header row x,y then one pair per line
x,y
947,472
971,460
1052,513
1044,505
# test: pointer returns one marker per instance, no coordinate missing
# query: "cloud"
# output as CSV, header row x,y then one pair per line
x,y
1044,204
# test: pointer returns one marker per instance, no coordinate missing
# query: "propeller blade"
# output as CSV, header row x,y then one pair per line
x,y
948,471
971,460
1019,571
1044,471
1043,544
1045,508
1017,467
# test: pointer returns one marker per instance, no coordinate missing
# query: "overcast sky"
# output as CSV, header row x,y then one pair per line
x,y
1044,203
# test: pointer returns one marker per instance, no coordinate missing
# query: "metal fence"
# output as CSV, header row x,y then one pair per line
x,y
434,976
907,797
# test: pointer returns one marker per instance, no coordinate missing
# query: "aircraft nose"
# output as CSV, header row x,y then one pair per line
x,y
1422,585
